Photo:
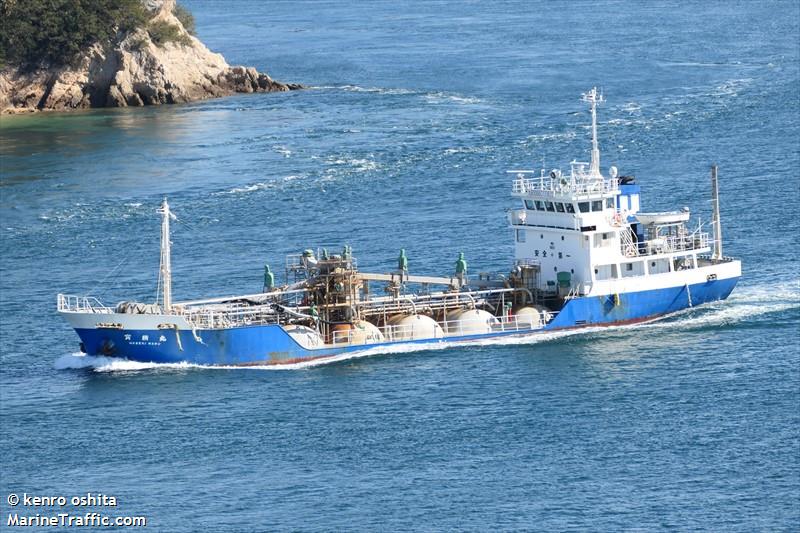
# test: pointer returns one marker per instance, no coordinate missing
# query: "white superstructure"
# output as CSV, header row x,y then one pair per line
x,y
586,235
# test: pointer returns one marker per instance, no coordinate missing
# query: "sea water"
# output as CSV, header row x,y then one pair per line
x,y
413,113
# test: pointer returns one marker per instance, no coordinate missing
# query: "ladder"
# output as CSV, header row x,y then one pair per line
x,y
629,248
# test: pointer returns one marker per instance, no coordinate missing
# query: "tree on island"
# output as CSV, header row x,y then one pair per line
x,y
71,54
55,32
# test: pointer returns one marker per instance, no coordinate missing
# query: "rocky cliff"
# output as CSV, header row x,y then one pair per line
x,y
134,69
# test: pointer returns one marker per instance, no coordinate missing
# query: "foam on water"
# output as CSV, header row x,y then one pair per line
x,y
441,97
434,97
359,89
259,186
78,361
744,304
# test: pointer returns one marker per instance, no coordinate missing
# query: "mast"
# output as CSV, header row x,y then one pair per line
x,y
594,98
715,222
165,269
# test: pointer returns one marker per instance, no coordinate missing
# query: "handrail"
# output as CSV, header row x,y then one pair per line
x,y
449,328
565,185
670,244
70,303
236,314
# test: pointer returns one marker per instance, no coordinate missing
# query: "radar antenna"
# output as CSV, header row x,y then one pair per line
x,y
594,98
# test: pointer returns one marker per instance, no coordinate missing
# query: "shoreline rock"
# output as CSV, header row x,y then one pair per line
x,y
132,70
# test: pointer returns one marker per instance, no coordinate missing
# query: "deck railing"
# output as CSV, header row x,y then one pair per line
x,y
449,328
81,304
669,244
243,314
229,315
564,185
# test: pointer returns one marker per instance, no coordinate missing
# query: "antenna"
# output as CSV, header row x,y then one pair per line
x,y
165,269
715,222
594,98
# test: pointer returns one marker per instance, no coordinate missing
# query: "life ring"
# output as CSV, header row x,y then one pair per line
x,y
618,218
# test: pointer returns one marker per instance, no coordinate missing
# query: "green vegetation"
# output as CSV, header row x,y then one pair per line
x,y
162,32
39,32
185,17
54,32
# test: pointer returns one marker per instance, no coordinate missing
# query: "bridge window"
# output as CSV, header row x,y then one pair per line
x,y
559,207
597,205
539,205
570,208
550,207
529,204
584,207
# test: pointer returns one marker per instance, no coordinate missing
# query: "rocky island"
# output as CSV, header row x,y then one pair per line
x,y
125,53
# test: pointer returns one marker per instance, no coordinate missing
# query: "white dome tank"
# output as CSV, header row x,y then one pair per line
x,y
304,336
412,327
528,317
364,332
532,316
392,320
470,322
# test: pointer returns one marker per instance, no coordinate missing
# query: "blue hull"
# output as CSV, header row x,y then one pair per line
x,y
270,344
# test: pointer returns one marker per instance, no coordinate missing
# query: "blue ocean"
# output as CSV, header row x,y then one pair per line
x,y
413,112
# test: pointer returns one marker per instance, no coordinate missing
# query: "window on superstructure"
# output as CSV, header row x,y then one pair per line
x,y
550,207
597,205
529,205
610,203
584,207
559,207
570,208
539,205
520,235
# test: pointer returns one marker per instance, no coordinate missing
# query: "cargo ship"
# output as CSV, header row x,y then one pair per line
x,y
585,255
